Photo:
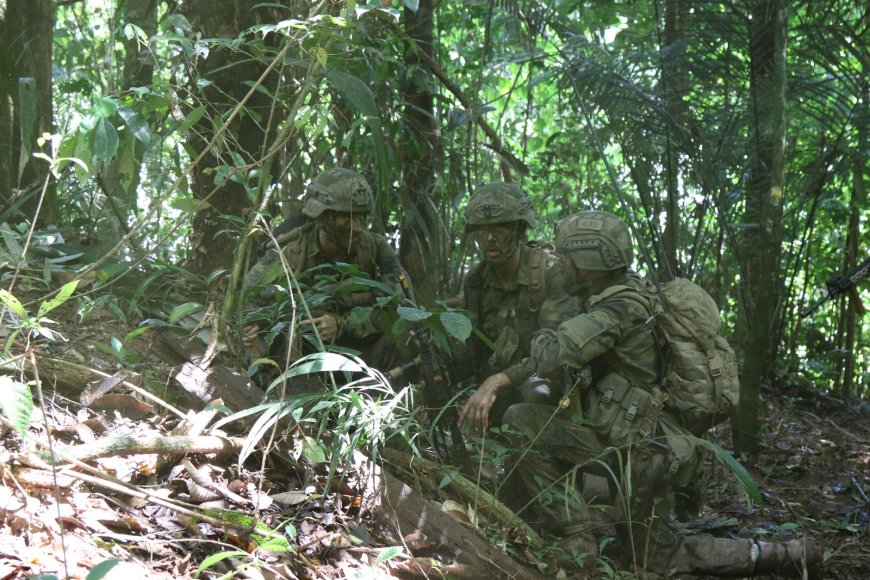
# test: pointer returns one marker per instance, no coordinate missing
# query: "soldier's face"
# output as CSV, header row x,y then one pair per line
x,y
343,227
579,282
496,242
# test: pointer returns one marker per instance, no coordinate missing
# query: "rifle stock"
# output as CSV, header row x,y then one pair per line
x,y
436,396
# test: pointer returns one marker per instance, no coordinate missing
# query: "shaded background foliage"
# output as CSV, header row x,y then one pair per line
x,y
195,126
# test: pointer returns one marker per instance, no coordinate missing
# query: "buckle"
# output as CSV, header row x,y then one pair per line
x,y
631,413
608,395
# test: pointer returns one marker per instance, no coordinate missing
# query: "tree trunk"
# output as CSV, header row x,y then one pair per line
x,y
26,36
853,256
763,217
229,74
421,237
673,86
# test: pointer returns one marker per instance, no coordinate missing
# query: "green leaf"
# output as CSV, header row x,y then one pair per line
x,y
105,107
136,123
457,325
16,403
412,314
187,204
743,476
359,315
101,569
276,545
389,554
192,118
180,23
219,557
313,451
13,304
105,138
134,333
183,310
62,296
448,478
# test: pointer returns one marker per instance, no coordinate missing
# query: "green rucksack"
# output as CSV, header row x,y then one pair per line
x,y
701,375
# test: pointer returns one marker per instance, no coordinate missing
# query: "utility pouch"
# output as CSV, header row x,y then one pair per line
x,y
617,410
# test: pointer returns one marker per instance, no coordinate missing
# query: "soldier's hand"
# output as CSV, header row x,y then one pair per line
x,y
250,334
475,413
327,325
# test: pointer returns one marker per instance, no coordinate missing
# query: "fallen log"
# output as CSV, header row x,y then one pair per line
x,y
203,383
402,510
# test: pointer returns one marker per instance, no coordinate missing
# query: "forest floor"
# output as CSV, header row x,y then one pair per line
x,y
813,471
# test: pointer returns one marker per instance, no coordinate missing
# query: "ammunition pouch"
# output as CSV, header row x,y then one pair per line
x,y
620,412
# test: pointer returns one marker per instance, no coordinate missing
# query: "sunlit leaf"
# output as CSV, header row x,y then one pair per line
x,y
183,310
313,451
389,554
62,296
16,403
13,304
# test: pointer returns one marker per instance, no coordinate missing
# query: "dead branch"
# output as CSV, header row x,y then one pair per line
x,y
170,445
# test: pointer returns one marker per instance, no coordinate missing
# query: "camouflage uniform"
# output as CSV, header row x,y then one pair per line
x,y
344,191
627,434
509,314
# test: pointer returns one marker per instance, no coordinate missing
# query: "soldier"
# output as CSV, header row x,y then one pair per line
x,y
337,203
513,291
628,432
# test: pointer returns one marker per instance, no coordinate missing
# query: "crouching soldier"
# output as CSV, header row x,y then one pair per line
x,y
629,435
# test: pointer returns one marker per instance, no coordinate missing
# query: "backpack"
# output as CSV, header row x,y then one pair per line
x,y
700,375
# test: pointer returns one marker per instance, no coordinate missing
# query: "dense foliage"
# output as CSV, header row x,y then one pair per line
x,y
183,130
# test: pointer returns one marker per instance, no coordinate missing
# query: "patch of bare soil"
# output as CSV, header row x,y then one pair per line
x,y
146,483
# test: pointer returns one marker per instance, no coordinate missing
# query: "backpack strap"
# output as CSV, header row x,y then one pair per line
x,y
538,287
474,291
365,253
295,245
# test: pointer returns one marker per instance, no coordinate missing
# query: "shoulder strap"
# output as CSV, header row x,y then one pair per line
x,y
365,252
295,245
538,288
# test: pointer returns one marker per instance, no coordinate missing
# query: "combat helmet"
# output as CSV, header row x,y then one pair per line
x,y
595,240
498,202
338,190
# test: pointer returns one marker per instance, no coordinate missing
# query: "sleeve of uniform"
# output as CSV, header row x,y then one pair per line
x,y
559,306
265,271
584,338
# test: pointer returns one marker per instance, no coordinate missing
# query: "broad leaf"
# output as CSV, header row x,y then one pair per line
x,y
13,304
62,296
457,325
412,314
106,140
183,310
16,403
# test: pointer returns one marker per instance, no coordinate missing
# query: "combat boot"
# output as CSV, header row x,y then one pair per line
x,y
788,559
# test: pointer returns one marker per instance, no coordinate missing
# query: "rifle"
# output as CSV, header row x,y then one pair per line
x,y
436,397
838,285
